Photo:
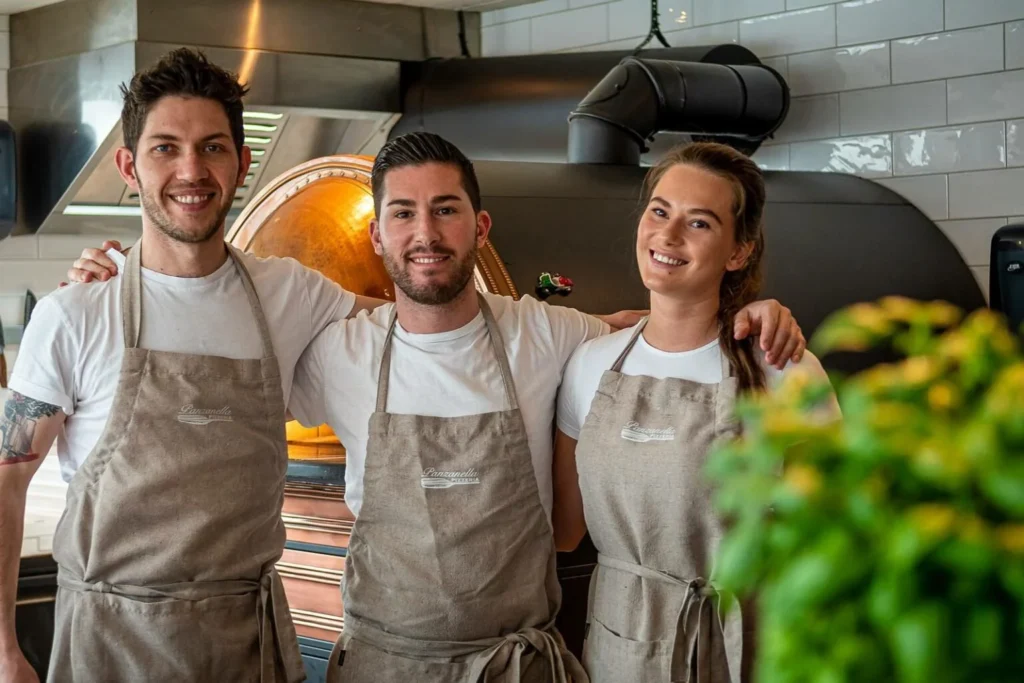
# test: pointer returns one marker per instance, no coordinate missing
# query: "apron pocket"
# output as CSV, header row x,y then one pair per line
x,y
610,658
117,638
367,664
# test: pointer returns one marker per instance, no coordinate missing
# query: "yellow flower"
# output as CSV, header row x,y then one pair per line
x,y
933,519
803,479
919,369
943,313
869,317
901,308
941,396
1011,537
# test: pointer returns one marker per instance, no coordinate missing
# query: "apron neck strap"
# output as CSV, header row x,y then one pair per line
x,y
727,369
497,344
131,299
617,365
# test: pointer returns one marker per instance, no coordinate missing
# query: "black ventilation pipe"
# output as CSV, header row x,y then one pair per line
x,y
739,105
515,108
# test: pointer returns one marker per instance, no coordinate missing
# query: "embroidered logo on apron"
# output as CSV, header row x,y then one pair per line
x,y
634,432
437,479
204,416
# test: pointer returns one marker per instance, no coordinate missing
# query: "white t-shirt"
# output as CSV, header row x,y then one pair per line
x,y
449,374
71,352
704,365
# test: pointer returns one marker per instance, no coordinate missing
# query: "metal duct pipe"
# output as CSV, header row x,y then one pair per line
x,y
516,108
739,105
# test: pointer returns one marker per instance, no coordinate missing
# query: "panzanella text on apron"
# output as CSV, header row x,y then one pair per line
x,y
634,432
204,416
437,479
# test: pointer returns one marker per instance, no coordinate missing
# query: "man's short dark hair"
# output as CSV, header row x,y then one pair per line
x,y
181,73
416,149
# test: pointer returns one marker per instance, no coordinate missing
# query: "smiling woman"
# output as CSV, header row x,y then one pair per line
x,y
638,413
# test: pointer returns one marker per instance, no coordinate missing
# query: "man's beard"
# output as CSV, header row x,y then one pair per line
x,y
431,295
164,224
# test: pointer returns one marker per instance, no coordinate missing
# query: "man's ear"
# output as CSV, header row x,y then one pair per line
x,y
125,161
375,236
483,227
244,161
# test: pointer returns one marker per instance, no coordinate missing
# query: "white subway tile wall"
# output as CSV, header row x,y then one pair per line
x,y
863,21
773,157
892,108
925,95
973,237
717,11
1015,143
981,98
1014,36
869,156
946,150
961,13
945,55
928,193
577,27
848,68
782,34
716,34
810,118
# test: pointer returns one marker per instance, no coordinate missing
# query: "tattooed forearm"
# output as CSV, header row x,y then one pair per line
x,y
18,423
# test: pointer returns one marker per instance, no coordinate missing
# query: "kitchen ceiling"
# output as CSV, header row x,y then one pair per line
x,y
15,6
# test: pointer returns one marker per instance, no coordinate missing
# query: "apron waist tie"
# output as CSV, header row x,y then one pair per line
x,y
504,651
276,631
698,624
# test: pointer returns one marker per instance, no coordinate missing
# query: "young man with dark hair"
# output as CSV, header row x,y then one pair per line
x,y
166,391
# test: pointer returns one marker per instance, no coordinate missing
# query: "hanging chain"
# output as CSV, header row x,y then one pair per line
x,y
655,31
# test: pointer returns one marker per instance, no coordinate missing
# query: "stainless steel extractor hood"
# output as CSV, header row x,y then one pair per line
x,y
324,78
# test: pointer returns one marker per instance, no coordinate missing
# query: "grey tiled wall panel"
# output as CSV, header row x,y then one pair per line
x,y
972,238
928,193
915,105
632,18
804,4
728,32
986,98
961,13
845,68
810,118
512,38
864,21
1014,37
533,9
971,147
717,11
583,26
986,194
772,157
1015,142
867,155
946,55
782,34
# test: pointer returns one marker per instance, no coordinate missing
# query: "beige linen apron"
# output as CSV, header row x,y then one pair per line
x,y
450,573
654,615
167,547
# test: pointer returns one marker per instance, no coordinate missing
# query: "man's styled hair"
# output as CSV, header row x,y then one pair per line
x,y
416,149
181,73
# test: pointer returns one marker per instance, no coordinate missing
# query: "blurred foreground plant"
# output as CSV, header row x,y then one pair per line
x,y
888,546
